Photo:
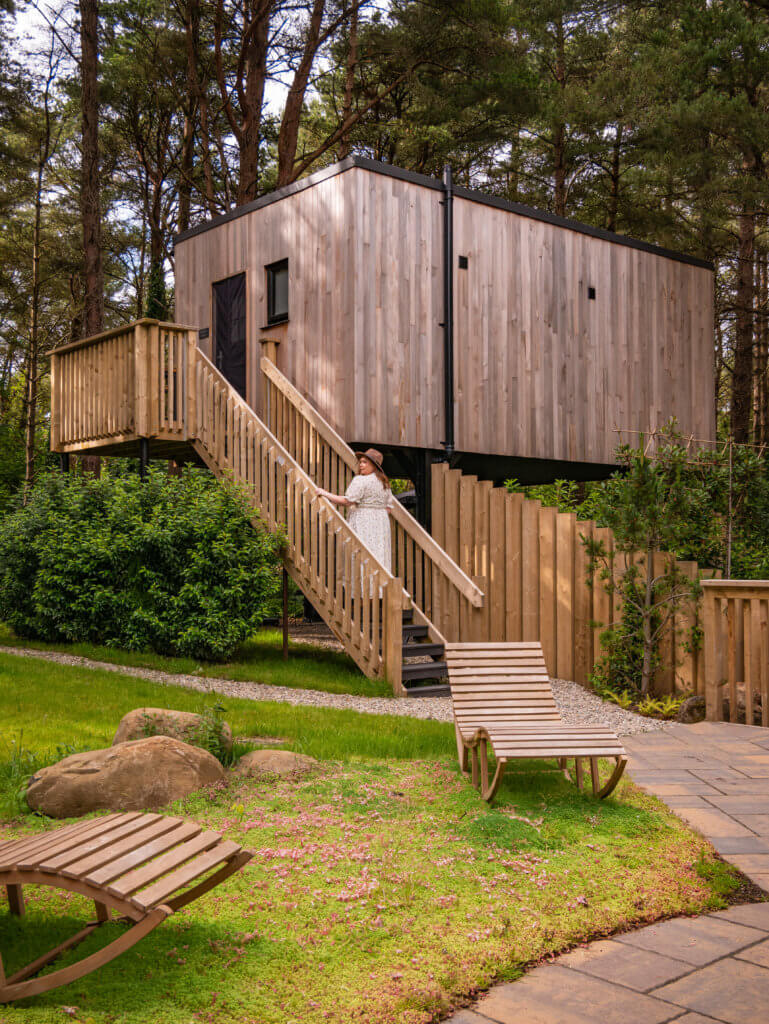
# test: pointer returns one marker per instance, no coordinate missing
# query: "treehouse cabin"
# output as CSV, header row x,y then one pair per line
x,y
417,315
366,305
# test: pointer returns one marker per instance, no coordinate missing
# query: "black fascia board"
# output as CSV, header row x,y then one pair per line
x,y
391,171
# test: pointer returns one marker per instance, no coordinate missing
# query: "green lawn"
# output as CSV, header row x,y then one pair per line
x,y
259,660
382,889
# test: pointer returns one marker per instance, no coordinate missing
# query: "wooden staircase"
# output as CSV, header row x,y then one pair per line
x,y
148,381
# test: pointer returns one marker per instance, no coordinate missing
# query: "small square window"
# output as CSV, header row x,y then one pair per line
x,y
277,292
590,292
463,262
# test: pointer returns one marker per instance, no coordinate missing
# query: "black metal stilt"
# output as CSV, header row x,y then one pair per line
x,y
144,456
285,615
64,461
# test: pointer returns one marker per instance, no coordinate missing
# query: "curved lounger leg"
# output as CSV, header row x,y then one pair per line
x,y
489,791
616,775
462,752
475,765
35,986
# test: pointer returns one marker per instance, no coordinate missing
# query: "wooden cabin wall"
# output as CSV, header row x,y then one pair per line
x,y
542,371
362,341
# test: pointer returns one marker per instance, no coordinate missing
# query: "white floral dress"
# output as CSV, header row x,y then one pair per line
x,y
368,515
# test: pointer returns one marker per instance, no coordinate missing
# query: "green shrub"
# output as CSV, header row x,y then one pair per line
x,y
171,565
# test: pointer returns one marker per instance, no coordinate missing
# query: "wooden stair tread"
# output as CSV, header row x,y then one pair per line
x,y
427,670
422,650
429,690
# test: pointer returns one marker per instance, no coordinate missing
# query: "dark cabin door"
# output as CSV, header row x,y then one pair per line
x,y
230,330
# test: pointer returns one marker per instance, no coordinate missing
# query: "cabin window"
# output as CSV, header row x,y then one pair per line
x,y
277,292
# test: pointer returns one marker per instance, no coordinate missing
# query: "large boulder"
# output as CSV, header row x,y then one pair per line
x,y
275,762
692,710
141,775
181,725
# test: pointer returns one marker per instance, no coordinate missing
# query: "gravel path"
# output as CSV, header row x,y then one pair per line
x,y
577,705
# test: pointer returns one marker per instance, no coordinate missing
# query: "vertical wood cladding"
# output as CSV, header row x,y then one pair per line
x,y
545,371
541,369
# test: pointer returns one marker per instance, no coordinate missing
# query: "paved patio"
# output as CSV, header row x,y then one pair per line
x,y
689,970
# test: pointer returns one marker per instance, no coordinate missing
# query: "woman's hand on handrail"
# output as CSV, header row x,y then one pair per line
x,y
335,499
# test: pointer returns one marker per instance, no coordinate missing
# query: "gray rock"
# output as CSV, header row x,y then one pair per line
x,y
692,710
181,725
135,776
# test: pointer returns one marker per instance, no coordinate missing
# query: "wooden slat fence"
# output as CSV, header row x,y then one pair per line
x,y
530,562
736,632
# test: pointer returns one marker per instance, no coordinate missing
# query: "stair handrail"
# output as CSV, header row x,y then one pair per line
x,y
288,457
334,517
456,576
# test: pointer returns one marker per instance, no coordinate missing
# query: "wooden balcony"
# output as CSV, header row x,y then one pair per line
x,y
117,388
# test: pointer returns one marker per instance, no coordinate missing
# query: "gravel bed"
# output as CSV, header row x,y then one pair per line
x,y
578,705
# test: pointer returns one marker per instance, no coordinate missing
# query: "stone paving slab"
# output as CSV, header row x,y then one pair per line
x,y
756,955
557,995
731,990
695,940
708,970
636,968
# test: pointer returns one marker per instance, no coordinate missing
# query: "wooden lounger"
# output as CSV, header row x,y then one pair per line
x,y
502,696
133,866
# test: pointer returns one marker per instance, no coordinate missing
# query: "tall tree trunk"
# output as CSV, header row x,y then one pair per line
x,y
759,364
559,131
763,332
90,193
616,152
292,112
251,75
33,352
743,331
352,63
191,38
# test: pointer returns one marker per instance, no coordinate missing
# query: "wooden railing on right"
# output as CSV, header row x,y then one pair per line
x,y
431,577
736,636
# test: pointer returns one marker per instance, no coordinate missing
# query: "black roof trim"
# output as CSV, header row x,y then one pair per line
x,y
270,197
391,171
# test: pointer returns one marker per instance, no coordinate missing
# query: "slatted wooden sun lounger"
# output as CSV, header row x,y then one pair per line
x,y
502,697
134,866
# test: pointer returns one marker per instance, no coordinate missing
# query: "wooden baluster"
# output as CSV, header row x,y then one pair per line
x,y
392,642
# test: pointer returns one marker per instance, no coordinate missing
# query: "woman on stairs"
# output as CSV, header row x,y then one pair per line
x,y
368,498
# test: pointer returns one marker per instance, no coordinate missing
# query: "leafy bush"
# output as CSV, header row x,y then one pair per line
x,y
171,565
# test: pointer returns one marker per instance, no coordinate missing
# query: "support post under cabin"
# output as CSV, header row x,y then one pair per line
x,y
144,456
285,614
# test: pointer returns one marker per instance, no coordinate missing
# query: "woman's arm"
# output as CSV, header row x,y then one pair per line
x,y
335,499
